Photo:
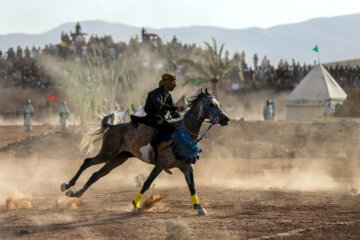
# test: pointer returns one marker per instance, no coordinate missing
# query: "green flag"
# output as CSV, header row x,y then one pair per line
x,y
195,80
316,49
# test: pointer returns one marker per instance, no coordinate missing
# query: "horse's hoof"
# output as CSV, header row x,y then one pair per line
x,y
63,187
69,193
136,210
201,211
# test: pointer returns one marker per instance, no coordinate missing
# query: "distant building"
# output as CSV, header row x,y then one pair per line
x,y
149,36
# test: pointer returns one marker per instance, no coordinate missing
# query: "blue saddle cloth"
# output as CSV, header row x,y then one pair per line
x,y
184,147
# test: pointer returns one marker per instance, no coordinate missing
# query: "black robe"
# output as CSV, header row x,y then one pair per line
x,y
159,102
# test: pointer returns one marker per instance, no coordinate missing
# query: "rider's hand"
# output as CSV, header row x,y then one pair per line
x,y
181,108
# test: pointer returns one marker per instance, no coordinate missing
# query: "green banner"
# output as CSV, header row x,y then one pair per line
x,y
195,80
316,49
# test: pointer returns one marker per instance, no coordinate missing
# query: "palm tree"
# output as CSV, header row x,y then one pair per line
x,y
215,68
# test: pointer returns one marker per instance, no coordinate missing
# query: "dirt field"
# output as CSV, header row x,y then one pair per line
x,y
257,180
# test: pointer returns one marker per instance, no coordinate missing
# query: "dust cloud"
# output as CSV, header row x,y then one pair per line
x,y
270,175
309,155
108,81
250,105
151,202
67,203
18,200
261,155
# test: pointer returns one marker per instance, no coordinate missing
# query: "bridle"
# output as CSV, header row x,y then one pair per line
x,y
215,119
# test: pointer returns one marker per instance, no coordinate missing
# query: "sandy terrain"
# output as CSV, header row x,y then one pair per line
x,y
257,180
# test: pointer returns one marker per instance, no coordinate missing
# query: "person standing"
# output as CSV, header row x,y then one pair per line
x,y
256,59
329,109
64,114
105,108
183,101
78,28
124,113
121,114
269,110
140,112
28,112
117,113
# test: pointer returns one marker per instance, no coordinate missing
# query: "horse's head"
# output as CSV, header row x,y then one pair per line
x,y
212,109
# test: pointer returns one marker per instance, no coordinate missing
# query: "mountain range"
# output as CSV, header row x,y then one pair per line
x,y
338,38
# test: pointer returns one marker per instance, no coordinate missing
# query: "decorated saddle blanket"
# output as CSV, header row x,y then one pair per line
x,y
184,147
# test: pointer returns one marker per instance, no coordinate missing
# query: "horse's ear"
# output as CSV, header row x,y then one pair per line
x,y
206,91
201,91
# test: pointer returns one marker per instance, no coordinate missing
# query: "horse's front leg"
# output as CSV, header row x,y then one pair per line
x,y
154,173
188,173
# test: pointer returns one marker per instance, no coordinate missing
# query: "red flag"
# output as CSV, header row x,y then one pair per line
x,y
52,98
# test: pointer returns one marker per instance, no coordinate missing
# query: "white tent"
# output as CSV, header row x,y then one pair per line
x,y
308,99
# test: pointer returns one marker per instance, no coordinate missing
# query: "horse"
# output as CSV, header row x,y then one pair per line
x,y
123,141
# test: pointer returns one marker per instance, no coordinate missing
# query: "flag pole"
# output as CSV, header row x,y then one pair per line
x,y
316,49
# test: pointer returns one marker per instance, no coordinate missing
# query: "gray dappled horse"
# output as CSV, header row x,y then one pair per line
x,y
123,141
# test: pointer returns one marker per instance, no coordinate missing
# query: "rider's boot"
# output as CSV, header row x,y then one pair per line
x,y
145,152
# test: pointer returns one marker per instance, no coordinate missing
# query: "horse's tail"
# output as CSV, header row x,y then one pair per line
x,y
94,134
107,122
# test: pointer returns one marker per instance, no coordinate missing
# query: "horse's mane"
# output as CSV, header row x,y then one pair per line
x,y
197,98
192,102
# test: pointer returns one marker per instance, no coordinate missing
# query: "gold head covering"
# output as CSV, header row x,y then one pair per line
x,y
166,81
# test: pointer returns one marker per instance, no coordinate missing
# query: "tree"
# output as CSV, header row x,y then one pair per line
x,y
214,70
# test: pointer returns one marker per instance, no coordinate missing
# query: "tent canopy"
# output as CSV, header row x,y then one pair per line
x,y
316,88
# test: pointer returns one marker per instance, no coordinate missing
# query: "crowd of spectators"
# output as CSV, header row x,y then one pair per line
x,y
22,68
347,76
285,76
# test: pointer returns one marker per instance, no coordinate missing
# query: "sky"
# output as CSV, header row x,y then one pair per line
x,y
38,16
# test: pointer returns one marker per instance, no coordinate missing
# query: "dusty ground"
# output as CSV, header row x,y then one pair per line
x,y
257,180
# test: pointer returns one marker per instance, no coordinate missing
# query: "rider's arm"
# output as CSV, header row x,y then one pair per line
x,y
174,113
160,105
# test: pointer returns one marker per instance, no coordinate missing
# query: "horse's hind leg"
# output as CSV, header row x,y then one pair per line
x,y
154,173
88,162
110,165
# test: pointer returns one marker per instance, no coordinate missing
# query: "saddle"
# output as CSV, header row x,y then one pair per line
x,y
137,120
183,147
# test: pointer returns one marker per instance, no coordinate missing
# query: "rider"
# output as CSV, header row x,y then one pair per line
x,y
158,103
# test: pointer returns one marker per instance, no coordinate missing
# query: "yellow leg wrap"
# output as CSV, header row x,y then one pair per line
x,y
194,199
137,199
